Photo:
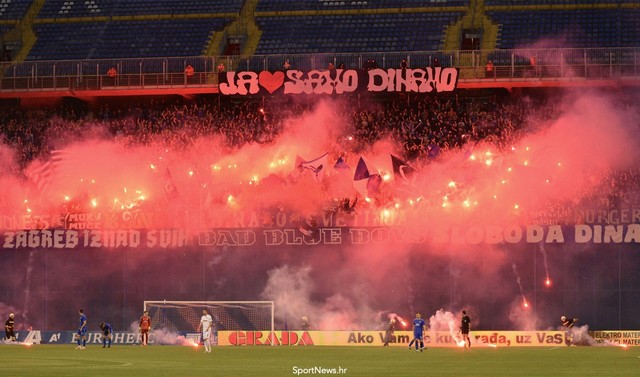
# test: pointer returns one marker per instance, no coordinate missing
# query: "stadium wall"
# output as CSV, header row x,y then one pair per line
x,y
550,338
596,281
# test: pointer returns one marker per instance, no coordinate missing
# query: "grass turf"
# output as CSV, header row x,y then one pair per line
x,y
64,360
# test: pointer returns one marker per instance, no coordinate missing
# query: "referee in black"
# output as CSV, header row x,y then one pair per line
x,y
465,327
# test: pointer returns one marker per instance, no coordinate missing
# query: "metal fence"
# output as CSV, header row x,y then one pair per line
x,y
167,72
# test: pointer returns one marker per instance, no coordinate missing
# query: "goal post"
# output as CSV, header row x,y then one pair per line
x,y
227,315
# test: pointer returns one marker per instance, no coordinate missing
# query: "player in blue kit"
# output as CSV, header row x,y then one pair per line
x,y
419,326
82,331
106,334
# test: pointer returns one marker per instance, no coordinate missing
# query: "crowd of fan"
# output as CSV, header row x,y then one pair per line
x,y
424,125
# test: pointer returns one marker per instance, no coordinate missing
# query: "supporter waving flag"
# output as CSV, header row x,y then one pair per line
x,y
402,173
41,174
341,164
365,183
317,166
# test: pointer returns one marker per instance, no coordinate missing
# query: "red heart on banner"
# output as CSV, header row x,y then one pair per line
x,y
271,81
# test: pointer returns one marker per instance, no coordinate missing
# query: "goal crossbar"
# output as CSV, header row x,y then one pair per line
x,y
256,314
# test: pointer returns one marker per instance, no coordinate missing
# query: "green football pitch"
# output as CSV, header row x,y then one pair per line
x,y
63,360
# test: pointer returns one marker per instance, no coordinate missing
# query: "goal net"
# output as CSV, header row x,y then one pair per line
x,y
227,315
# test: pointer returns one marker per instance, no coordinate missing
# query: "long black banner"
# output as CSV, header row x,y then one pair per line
x,y
178,238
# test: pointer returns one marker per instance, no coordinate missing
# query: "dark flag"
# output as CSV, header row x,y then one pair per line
x,y
364,182
341,164
404,177
170,190
402,172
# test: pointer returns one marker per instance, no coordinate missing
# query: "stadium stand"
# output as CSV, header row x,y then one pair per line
x,y
310,34
104,40
69,9
118,28
147,28
549,2
354,33
165,28
13,9
567,28
303,5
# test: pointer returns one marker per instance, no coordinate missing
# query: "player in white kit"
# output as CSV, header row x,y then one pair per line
x,y
205,323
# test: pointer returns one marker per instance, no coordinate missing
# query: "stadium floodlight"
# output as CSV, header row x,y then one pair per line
x,y
227,315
